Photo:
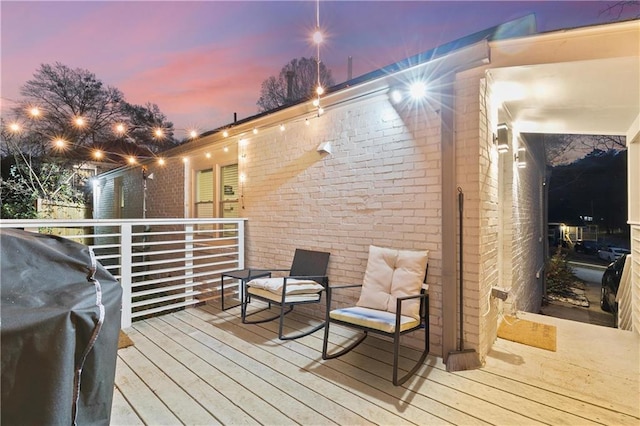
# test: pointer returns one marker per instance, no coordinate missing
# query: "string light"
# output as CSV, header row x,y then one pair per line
x,y
318,39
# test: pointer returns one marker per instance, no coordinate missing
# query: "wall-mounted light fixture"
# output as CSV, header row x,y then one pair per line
x,y
324,148
520,158
501,138
395,96
416,91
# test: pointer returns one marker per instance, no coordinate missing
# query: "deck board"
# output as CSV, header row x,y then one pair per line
x,y
290,378
203,366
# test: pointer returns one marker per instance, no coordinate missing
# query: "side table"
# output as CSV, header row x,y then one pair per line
x,y
244,276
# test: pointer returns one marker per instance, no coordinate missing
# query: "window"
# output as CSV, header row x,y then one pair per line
x,y
204,193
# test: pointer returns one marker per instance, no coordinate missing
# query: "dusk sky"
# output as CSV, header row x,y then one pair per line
x,y
202,61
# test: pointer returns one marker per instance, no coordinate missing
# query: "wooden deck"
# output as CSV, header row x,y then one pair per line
x,y
202,366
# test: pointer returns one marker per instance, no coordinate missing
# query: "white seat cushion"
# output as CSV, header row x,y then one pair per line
x,y
373,318
294,286
391,274
289,298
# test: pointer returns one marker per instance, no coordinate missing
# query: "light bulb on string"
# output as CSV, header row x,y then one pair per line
x,y
34,112
317,36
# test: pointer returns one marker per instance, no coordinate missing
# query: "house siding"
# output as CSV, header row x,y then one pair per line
x,y
165,198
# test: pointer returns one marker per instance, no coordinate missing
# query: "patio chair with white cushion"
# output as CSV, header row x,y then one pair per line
x,y
305,283
393,302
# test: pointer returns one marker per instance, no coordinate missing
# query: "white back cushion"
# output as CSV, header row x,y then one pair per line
x,y
391,274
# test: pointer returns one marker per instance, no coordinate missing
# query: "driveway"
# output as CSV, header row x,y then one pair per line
x,y
592,276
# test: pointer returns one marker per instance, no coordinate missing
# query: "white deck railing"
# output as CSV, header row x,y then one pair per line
x,y
162,264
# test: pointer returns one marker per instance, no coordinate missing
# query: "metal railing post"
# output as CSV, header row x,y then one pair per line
x,y
126,260
188,259
240,225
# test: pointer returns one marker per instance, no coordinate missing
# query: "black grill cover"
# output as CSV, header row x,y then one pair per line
x,y
60,324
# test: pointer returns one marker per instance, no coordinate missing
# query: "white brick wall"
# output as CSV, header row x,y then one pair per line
x,y
380,186
503,236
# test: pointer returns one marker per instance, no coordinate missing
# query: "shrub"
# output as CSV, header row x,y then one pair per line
x,y
561,281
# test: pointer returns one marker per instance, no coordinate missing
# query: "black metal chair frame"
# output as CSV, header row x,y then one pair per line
x,y
395,335
306,265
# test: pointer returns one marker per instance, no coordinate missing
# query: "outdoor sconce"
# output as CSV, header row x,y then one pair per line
x,y
415,92
501,138
395,95
324,148
520,158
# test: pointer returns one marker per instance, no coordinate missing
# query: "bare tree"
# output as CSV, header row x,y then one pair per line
x,y
64,117
74,106
618,8
297,80
562,149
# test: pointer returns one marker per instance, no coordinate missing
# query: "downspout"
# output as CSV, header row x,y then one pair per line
x,y
449,194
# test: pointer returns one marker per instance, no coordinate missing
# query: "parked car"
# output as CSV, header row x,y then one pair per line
x,y
610,284
612,253
586,246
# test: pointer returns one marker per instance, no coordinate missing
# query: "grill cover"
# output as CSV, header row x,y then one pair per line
x,y
60,317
